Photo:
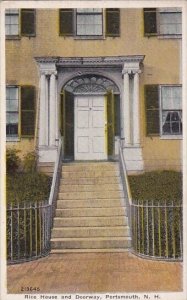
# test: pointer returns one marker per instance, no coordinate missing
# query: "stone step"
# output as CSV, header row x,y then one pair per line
x,y
88,203
89,187
90,181
104,250
90,174
90,221
90,212
90,232
90,195
91,164
89,167
91,243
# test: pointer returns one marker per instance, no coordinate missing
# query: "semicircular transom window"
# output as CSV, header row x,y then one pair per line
x,y
91,84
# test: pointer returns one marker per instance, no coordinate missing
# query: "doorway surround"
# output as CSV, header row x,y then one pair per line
x,y
55,72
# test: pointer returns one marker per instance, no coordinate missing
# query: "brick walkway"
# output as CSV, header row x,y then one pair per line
x,y
95,272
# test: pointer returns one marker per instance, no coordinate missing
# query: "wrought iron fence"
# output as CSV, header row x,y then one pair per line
x,y
156,228
28,231
29,224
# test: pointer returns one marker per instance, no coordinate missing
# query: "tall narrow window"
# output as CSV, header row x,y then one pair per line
x,y
171,110
12,22
89,22
12,111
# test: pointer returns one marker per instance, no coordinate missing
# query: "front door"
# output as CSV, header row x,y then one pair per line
x,y
90,135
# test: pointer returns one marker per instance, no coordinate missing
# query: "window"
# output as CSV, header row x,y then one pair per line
x,y
171,110
12,111
163,110
88,22
163,21
12,22
20,22
20,112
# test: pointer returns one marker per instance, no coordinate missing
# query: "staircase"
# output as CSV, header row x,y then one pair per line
x,y
90,214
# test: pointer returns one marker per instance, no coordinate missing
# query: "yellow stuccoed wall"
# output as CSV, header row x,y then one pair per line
x,y
161,66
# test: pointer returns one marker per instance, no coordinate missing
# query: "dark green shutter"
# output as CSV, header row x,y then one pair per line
x,y
152,109
66,22
27,111
62,114
110,123
69,125
28,22
117,124
150,23
112,22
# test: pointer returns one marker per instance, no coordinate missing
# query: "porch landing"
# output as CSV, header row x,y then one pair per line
x,y
95,272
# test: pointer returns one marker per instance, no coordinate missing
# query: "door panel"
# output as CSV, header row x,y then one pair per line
x,y
90,128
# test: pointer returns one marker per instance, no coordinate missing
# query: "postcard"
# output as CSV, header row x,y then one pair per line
x,y
93,150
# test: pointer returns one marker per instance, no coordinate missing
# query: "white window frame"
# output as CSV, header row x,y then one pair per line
x,y
9,13
167,11
163,135
14,137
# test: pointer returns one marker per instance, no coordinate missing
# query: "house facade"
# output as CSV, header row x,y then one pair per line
x,y
94,78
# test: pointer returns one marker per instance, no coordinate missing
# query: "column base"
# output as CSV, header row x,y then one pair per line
x,y
133,159
47,154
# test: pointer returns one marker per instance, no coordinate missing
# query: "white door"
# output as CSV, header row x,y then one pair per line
x,y
90,128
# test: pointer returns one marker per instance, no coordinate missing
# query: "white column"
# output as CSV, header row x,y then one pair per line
x,y
136,111
126,101
42,119
52,109
57,116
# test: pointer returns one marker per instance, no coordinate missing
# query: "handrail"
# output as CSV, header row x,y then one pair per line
x,y
55,173
125,183
123,165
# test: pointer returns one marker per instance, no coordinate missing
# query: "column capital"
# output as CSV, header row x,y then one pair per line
x,y
131,67
52,73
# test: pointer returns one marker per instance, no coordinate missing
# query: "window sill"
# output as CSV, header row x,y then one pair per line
x,y
169,36
89,37
13,37
171,137
13,139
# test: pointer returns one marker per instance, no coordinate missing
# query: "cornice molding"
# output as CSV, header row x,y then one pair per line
x,y
91,61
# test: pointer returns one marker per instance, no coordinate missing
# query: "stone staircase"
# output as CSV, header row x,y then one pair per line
x,y
90,214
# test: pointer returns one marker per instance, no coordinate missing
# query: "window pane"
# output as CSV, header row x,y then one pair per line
x,y
171,98
12,11
89,10
12,118
12,105
172,123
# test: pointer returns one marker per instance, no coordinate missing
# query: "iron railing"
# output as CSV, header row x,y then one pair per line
x,y
28,231
29,224
157,229
155,226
